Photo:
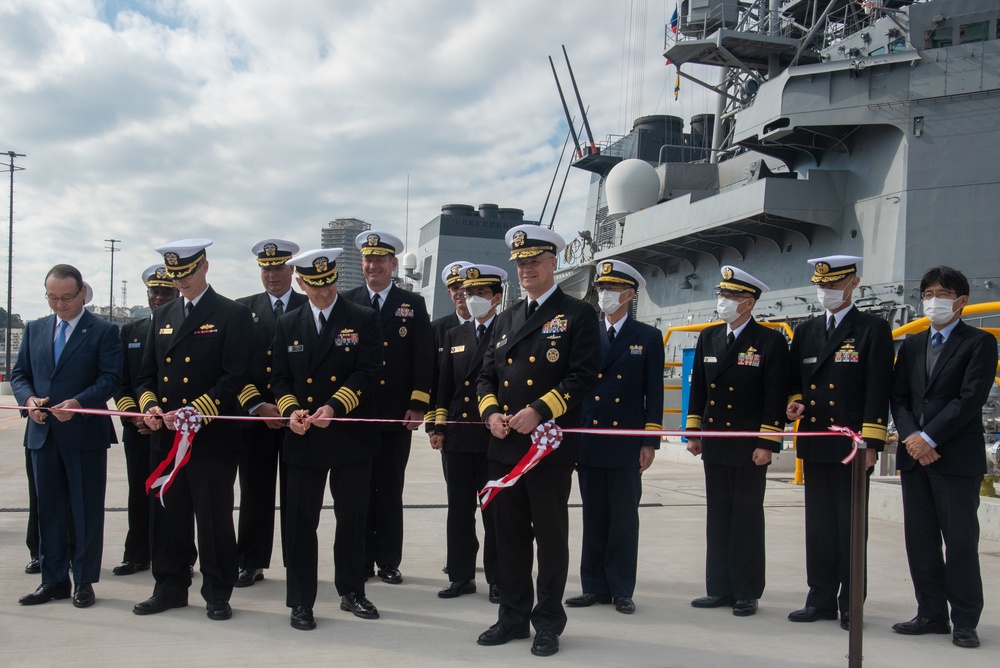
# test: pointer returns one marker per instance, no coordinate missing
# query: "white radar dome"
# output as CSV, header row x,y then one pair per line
x,y
631,185
409,262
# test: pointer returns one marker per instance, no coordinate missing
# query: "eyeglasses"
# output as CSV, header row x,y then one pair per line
x,y
939,294
52,299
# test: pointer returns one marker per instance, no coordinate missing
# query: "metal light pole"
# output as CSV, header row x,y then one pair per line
x,y
111,290
10,258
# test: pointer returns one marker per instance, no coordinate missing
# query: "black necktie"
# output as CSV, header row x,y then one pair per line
x,y
532,305
730,340
611,334
480,330
375,301
187,309
830,326
279,308
322,321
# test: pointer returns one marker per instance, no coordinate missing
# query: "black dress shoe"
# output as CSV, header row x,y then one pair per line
x,y
494,594
391,576
156,603
247,577
498,634
965,636
358,605
83,596
546,644
369,573
52,591
811,614
918,626
845,621
745,607
302,618
456,589
713,602
624,605
586,600
130,567
219,611
33,567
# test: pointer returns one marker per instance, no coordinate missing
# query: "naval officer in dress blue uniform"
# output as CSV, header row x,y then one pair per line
x,y
841,375
327,359
404,394
196,355
541,363
459,433
629,395
739,383
259,470
135,434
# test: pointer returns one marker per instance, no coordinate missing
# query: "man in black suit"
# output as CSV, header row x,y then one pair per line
x,y
739,383
68,360
459,432
196,355
541,363
262,440
404,389
135,434
941,381
327,358
629,395
841,375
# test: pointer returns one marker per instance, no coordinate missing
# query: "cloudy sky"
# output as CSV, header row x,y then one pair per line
x,y
153,120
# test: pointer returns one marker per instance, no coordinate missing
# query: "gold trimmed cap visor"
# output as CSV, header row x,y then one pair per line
x,y
735,279
454,272
274,252
618,273
181,258
530,240
833,268
483,274
317,268
155,276
376,242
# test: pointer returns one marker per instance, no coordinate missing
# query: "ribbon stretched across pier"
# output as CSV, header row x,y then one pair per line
x,y
187,422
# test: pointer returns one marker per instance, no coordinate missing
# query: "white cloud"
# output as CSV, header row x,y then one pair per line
x,y
147,121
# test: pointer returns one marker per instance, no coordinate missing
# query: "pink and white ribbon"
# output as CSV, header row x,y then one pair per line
x,y
187,422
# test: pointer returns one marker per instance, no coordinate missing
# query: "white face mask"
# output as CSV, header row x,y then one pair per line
x,y
830,299
728,309
939,310
478,306
609,301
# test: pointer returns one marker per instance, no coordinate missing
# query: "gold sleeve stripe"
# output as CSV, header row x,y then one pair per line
x,y
146,400
287,402
429,415
486,401
694,422
555,402
126,404
795,397
348,398
248,395
777,438
767,427
875,431
205,406
441,416
423,397
654,426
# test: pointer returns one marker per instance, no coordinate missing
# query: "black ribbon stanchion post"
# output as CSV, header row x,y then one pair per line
x,y
859,493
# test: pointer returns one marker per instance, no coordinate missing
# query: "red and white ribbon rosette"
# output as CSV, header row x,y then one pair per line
x,y
187,422
856,442
545,438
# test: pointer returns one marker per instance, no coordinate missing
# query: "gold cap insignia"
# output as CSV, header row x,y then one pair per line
x,y
171,259
455,268
270,250
606,268
727,274
519,238
822,268
161,272
321,264
472,273
373,239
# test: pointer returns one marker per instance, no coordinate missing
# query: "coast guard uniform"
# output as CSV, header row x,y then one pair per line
x,y
842,376
738,386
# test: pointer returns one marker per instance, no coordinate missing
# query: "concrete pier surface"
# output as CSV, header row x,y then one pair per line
x,y
419,629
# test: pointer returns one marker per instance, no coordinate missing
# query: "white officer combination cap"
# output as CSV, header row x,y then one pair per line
x,y
531,240
376,242
483,274
735,279
88,293
317,268
182,257
155,276
832,268
453,273
620,273
274,252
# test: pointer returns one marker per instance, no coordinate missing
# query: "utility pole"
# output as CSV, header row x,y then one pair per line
x,y
111,290
10,259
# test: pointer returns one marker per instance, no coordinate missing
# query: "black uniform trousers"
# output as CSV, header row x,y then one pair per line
x,y
137,459
610,529
31,537
734,499
533,511
468,474
384,544
828,534
259,473
349,485
202,491
939,506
